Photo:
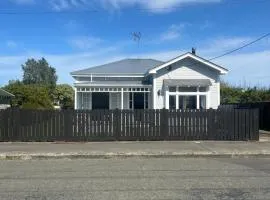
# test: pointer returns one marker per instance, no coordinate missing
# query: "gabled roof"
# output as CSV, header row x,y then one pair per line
x,y
193,56
126,66
4,93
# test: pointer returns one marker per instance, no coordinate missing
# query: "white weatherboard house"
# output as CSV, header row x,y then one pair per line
x,y
185,82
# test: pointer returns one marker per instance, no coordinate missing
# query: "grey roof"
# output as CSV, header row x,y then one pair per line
x,y
126,66
5,93
187,82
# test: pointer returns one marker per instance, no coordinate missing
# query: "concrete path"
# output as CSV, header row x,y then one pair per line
x,y
130,149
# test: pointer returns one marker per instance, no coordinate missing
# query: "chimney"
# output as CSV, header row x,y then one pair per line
x,y
193,51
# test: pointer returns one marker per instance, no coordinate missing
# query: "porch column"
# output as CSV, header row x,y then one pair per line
x,y
167,100
75,99
197,99
122,98
154,102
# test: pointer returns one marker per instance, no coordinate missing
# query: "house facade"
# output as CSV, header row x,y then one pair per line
x,y
185,82
5,98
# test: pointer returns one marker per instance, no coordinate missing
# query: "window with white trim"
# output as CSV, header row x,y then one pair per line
x,y
187,97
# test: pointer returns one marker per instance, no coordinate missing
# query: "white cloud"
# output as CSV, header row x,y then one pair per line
x,y
220,45
253,68
60,5
173,32
23,2
205,25
11,44
225,43
153,5
84,42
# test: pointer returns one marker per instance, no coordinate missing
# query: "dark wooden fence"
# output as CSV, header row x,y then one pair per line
x,y
108,125
264,112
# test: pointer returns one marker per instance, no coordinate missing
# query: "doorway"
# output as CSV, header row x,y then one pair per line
x,y
100,100
138,100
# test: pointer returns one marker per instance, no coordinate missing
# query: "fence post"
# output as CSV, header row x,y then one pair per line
x,y
256,132
164,126
68,124
116,122
16,124
211,132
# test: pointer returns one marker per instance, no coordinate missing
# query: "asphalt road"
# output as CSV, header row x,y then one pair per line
x,y
134,178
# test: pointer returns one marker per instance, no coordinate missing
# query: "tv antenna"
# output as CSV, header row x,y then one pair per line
x,y
136,37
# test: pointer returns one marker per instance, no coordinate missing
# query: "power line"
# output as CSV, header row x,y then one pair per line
x,y
239,48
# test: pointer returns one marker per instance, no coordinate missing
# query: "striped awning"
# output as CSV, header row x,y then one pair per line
x,y
187,82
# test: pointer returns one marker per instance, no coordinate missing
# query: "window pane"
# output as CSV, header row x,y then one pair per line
x,y
202,102
172,89
202,89
187,102
191,102
172,102
187,89
181,102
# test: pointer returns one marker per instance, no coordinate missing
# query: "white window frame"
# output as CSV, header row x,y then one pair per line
x,y
177,94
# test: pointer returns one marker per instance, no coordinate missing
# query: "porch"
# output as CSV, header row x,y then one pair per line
x,y
113,97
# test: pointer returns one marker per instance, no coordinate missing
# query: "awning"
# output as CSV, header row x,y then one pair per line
x,y
187,82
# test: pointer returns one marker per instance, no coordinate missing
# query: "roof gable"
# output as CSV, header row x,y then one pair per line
x,y
189,55
126,66
5,93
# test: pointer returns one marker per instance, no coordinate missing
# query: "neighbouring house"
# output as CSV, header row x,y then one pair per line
x,y
185,82
5,98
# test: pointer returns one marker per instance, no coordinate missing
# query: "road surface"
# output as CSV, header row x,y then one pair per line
x,y
135,178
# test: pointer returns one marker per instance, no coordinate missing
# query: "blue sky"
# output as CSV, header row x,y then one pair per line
x,y
71,36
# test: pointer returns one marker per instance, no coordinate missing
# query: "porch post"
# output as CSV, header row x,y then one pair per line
x,y
122,98
75,99
167,101
154,92
198,99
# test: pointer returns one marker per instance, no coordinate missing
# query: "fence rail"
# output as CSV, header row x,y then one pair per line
x,y
109,125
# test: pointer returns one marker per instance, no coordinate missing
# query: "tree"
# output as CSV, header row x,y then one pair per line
x,y
231,94
29,96
39,72
64,96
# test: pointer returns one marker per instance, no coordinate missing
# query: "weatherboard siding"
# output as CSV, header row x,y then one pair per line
x,y
188,69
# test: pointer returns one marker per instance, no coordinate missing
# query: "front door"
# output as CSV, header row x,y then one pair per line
x,y
100,100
